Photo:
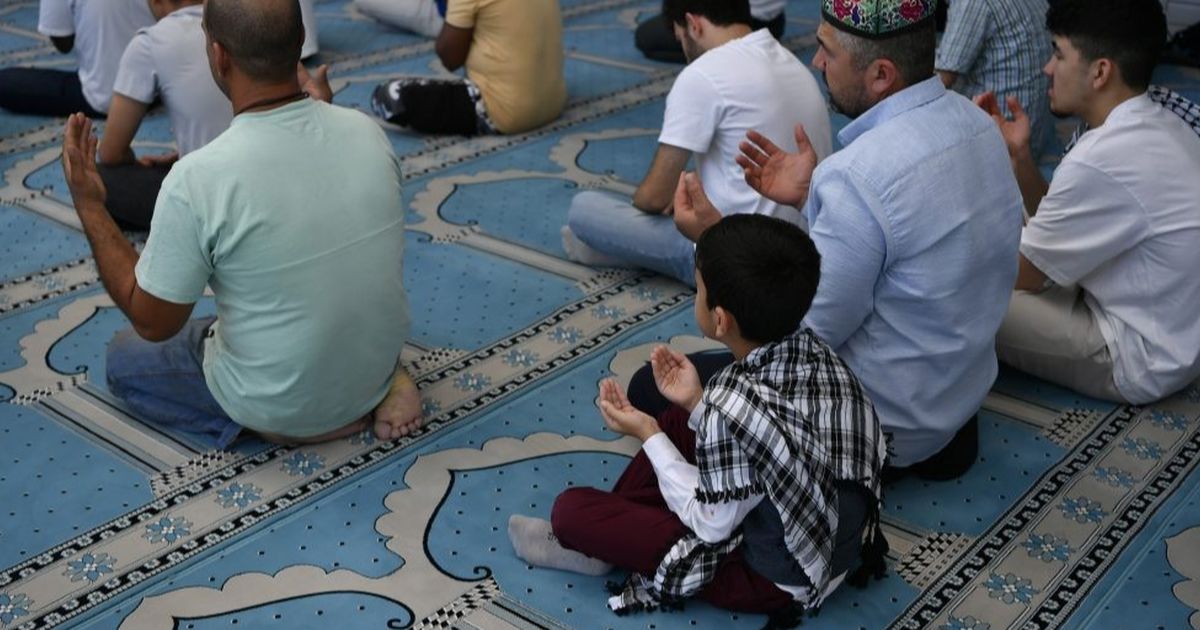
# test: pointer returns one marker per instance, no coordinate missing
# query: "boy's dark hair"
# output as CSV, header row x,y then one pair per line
x,y
1129,32
719,12
763,271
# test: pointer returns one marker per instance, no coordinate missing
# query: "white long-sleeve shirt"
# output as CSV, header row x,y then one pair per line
x,y
678,481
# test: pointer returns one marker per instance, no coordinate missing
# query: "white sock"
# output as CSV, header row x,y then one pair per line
x,y
582,253
535,542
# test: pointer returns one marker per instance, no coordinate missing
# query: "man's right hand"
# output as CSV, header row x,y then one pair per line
x,y
1016,132
79,163
676,377
315,84
776,174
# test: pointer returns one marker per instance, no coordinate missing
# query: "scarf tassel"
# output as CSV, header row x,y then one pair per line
x,y
873,556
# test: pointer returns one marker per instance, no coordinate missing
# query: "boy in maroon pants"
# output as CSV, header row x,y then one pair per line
x,y
752,493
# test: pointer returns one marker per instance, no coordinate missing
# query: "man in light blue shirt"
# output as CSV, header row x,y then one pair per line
x,y
307,276
916,220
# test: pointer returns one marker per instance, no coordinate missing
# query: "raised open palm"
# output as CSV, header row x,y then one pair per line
x,y
776,174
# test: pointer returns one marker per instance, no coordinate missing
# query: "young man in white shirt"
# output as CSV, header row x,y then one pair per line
x,y
99,32
655,37
1107,288
163,61
737,80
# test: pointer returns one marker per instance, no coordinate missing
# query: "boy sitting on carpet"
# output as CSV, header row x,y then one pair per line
x,y
752,494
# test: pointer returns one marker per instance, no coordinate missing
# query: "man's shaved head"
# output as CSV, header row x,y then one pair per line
x,y
263,37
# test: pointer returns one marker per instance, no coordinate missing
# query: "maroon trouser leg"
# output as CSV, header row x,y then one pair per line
x,y
632,528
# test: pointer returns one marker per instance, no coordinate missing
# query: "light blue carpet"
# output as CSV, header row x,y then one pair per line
x,y
1078,515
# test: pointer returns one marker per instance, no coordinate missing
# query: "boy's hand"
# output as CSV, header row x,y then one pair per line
x,y
621,416
676,377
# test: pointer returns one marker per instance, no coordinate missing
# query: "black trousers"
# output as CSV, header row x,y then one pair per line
x,y
656,39
949,463
43,92
132,192
433,106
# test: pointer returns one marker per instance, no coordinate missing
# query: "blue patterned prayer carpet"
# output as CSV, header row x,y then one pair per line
x,y
1079,514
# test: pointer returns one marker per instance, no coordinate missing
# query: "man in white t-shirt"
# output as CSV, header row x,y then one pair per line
x,y
1107,289
655,37
164,61
99,32
737,80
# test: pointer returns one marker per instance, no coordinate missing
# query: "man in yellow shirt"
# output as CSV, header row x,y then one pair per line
x,y
513,53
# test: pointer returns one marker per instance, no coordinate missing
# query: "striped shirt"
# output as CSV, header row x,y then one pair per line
x,y
1001,46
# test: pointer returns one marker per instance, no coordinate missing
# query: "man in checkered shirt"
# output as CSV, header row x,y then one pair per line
x,y
753,492
1000,46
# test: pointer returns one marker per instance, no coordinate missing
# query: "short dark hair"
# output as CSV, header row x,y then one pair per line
x,y
264,37
762,270
1129,32
913,51
719,12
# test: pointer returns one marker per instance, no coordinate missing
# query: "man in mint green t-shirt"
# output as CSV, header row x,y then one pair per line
x,y
293,217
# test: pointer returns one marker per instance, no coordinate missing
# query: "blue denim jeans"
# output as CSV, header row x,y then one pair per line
x,y
611,225
163,383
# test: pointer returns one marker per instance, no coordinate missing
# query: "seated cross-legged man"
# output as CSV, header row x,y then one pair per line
x,y
293,217
164,61
98,32
738,80
513,53
917,220
1106,294
1000,46
752,492
656,39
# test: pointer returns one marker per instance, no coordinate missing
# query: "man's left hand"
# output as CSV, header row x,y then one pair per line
x,y
79,163
694,213
315,84
621,416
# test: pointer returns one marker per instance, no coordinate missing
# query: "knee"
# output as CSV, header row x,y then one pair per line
x,y
583,207
568,516
119,357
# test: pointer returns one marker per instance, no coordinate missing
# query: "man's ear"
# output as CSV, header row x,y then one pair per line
x,y
1102,73
220,57
882,76
695,26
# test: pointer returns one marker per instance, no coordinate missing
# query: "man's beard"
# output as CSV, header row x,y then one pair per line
x,y
851,110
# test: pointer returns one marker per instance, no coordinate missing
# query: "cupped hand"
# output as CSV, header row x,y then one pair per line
x,y
676,377
776,174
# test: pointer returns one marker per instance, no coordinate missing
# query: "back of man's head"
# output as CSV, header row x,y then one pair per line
x,y
912,51
263,37
763,271
1129,32
719,12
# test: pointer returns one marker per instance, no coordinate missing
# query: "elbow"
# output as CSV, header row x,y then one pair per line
x,y
449,59
647,203
154,333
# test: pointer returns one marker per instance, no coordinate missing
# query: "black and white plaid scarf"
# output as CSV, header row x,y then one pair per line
x,y
785,422
1170,100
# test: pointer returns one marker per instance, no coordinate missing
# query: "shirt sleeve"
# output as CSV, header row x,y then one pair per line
x,y
1085,220
844,225
175,265
461,13
693,111
137,77
967,26
55,18
678,480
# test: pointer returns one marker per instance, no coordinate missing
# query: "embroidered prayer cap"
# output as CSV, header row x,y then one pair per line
x,y
877,19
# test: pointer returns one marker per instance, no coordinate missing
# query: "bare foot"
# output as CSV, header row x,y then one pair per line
x,y
400,412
